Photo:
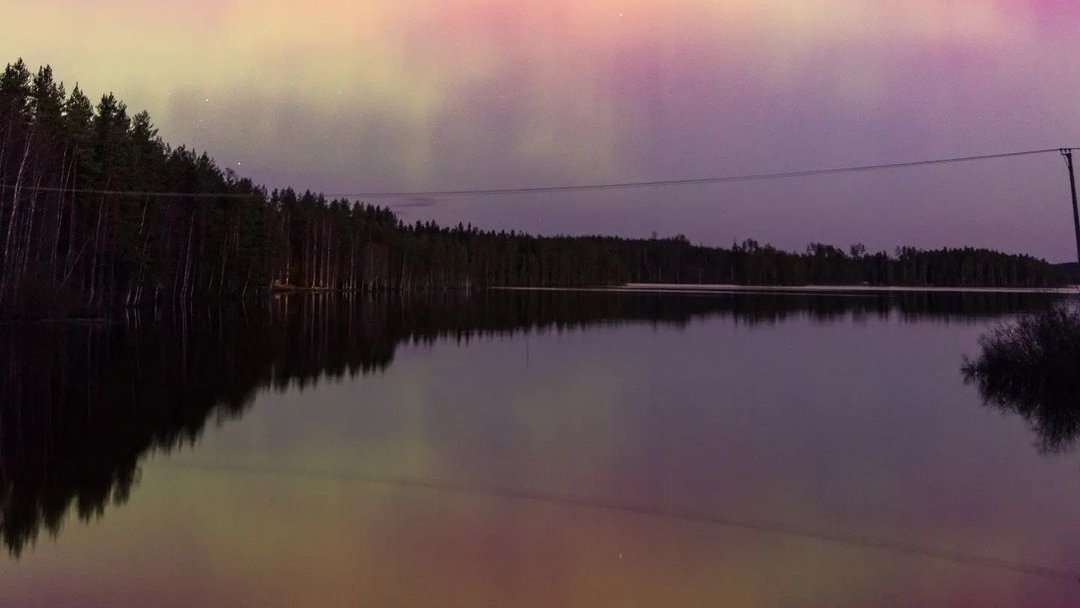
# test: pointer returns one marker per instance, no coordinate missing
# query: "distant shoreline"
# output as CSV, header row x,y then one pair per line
x,y
801,289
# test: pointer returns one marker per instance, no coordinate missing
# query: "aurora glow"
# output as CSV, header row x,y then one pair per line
x,y
634,414
416,94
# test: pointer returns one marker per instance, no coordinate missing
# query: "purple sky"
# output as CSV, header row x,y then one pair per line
x,y
344,96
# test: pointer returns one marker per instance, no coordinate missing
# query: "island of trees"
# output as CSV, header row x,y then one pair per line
x,y
83,227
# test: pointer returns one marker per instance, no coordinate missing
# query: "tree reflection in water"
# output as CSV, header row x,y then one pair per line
x,y
82,405
1031,367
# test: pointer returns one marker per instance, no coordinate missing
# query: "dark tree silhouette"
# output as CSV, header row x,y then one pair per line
x,y
1031,367
77,238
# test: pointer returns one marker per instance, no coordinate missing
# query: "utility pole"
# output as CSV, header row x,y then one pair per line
x,y
1068,154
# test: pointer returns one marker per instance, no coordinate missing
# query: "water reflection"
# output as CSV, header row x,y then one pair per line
x,y
1031,367
81,405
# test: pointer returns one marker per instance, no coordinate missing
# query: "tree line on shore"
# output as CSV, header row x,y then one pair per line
x,y
84,227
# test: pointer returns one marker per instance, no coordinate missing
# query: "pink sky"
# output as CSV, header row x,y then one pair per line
x,y
419,94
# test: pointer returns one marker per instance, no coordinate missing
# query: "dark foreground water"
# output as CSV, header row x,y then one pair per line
x,y
553,449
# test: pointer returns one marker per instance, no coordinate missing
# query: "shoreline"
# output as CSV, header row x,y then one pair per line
x,y
800,289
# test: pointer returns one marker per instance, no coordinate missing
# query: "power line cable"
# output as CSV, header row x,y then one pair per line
x,y
752,177
692,181
131,193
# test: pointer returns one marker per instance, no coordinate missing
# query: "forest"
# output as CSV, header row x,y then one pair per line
x,y
85,229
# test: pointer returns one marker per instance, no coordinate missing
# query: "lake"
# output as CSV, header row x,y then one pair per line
x,y
529,449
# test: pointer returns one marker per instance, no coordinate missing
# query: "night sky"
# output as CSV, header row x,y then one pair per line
x,y
347,96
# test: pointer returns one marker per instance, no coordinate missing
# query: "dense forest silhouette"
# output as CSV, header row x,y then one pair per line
x,y
1029,367
82,404
76,237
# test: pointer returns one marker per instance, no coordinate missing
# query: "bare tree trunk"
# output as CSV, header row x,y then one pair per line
x,y
135,286
97,245
14,216
187,258
3,148
30,226
64,174
68,259
77,257
224,259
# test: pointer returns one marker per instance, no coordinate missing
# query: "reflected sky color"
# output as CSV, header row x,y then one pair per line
x,y
880,439
349,96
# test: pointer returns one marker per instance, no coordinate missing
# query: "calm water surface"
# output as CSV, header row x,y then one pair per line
x,y
528,450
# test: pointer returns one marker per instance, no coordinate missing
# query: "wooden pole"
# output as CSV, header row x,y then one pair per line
x,y
1068,154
